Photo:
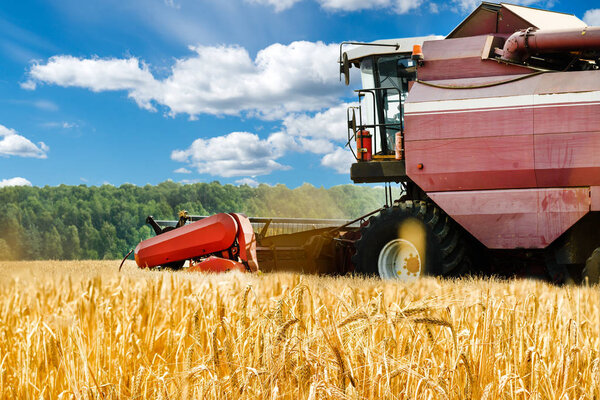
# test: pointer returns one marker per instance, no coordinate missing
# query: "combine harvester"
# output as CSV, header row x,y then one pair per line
x,y
493,133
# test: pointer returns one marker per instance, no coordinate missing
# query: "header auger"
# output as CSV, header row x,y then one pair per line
x,y
215,244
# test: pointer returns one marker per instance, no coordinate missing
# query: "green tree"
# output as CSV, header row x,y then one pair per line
x,y
105,222
70,244
5,252
52,245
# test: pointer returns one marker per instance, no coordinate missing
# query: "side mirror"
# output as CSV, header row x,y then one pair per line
x,y
345,68
352,122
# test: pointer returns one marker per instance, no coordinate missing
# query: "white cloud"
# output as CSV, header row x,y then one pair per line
x,y
340,160
314,145
398,6
64,125
13,144
470,5
278,5
329,124
17,181
45,105
321,132
235,154
245,154
301,76
353,5
28,85
592,17
97,75
182,170
247,181
190,181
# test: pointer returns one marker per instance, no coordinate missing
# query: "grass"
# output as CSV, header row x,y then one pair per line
x,y
82,330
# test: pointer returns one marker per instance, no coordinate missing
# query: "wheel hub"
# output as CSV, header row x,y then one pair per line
x,y
400,259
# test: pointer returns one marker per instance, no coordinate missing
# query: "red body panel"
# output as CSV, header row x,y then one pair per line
x,y
461,58
471,163
595,198
509,219
567,159
512,163
199,238
247,241
217,265
452,125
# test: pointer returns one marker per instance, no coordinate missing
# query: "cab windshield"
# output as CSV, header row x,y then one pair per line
x,y
392,75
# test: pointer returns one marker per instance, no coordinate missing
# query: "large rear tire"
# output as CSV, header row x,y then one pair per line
x,y
591,271
409,240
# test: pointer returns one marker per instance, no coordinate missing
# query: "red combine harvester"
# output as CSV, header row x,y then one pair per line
x,y
493,133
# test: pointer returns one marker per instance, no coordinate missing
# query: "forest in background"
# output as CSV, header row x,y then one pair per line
x,y
105,222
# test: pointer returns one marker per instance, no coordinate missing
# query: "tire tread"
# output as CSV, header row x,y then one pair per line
x,y
450,241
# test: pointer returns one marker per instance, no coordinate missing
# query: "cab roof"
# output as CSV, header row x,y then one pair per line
x,y
404,45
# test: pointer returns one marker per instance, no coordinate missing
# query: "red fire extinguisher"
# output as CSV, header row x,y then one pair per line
x,y
364,145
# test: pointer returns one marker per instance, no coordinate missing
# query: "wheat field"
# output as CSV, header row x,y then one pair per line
x,y
82,330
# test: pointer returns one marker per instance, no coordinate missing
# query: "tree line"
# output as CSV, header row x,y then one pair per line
x,y
105,222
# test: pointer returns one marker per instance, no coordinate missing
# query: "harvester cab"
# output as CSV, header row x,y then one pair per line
x,y
387,70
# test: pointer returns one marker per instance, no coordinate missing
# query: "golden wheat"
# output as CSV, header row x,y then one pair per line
x,y
81,330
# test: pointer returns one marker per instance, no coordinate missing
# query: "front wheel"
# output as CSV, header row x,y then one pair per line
x,y
409,240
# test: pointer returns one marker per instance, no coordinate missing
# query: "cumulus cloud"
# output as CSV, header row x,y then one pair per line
x,y
247,181
278,5
592,17
182,170
246,154
235,154
319,133
340,160
97,75
329,124
223,80
470,5
63,125
398,6
13,144
17,181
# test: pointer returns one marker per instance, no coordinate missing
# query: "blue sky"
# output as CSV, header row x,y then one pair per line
x,y
239,91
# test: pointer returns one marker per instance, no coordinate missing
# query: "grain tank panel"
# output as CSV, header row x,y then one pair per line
x,y
463,58
518,218
510,157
